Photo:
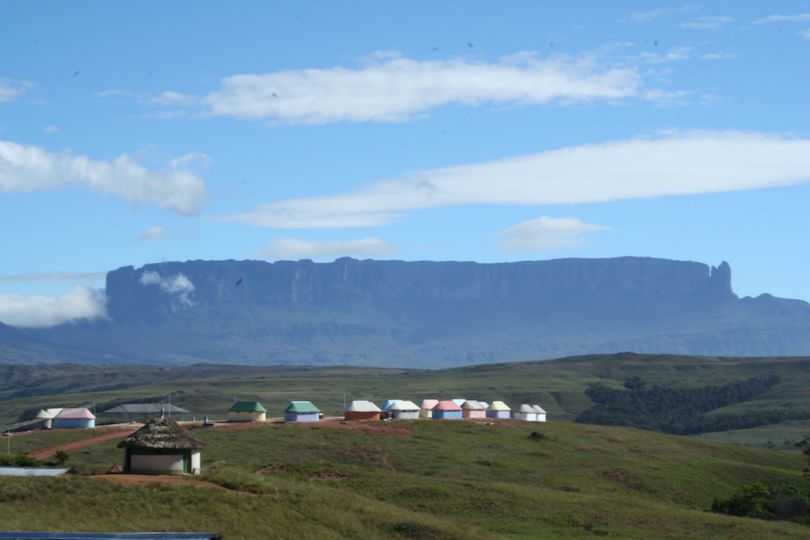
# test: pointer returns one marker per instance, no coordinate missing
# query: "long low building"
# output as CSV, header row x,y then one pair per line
x,y
144,411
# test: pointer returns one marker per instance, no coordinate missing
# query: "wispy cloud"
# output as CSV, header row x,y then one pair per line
x,y
52,129
81,303
390,88
54,276
176,285
11,89
191,159
805,33
31,168
708,22
719,56
545,233
675,54
795,18
658,13
294,248
674,164
152,234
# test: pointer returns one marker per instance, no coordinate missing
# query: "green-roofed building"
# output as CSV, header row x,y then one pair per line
x,y
301,411
248,410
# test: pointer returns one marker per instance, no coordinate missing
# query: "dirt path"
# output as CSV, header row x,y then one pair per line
x,y
386,459
49,451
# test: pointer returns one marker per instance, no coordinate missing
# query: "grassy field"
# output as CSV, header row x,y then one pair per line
x,y
421,479
559,386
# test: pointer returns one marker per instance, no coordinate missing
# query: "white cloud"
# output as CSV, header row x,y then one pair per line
x,y
56,276
294,248
178,284
393,89
674,164
82,303
50,130
719,56
190,159
31,168
708,22
657,13
152,234
805,33
11,89
170,98
675,54
545,233
796,18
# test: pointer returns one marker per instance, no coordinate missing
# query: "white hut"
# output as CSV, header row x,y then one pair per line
x,y
540,414
48,415
161,446
498,409
526,412
426,408
404,410
362,409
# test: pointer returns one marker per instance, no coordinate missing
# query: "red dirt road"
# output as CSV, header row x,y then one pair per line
x,y
49,451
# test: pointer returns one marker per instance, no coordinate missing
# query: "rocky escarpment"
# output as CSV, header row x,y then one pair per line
x,y
432,313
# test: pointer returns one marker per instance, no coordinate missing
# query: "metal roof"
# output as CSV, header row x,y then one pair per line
x,y
31,535
24,426
499,406
301,407
247,407
362,405
76,413
32,471
145,408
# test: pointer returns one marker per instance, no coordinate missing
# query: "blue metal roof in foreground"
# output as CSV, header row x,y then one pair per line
x,y
24,535
32,471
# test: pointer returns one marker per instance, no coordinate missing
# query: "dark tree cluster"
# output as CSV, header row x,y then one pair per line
x,y
764,502
681,411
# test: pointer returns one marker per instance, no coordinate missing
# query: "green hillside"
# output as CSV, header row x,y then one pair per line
x,y
420,480
559,385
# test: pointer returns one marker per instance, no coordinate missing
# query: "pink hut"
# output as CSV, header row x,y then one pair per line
x,y
426,408
76,418
447,410
473,409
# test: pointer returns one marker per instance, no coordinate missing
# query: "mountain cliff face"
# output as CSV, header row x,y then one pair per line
x,y
430,313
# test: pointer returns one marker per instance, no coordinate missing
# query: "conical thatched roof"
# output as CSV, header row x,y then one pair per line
x,y
163,433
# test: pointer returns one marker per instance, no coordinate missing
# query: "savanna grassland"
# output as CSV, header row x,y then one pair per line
x,y
559,386
422,479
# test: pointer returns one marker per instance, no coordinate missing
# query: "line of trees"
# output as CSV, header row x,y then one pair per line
x,y
682,411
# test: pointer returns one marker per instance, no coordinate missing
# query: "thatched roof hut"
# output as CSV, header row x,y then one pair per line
x,y
162,446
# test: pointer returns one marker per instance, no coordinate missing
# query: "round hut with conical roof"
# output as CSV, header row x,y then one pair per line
x,y
161,446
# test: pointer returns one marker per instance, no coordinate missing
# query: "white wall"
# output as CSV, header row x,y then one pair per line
x,y
195,462
158,463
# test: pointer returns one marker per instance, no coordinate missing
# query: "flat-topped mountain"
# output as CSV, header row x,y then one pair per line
x,y
396,313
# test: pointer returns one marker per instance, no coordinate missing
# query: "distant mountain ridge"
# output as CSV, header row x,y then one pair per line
x,y
426,314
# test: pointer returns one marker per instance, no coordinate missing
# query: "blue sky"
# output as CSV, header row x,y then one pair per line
x,y
486,131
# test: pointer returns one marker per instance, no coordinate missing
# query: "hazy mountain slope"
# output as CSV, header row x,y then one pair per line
x,y
429,313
